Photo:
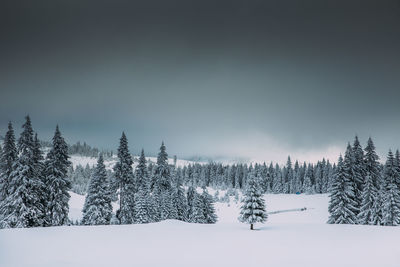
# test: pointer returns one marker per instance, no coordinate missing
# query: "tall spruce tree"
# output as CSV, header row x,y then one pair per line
x,y
97,209
307,184
342,206
358,170
23,207
179,199
370,212
8,158
124,177
391,194
57,182
143,203
163,186
253,208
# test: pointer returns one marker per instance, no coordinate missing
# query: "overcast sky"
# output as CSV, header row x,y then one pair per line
x,y
235,79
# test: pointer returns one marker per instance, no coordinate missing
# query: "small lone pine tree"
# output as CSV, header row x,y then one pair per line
x,y
253,209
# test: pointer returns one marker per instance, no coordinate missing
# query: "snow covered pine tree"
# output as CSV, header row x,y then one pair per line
x,y
253,208
342,206
97,209
23,207
57,182
125,179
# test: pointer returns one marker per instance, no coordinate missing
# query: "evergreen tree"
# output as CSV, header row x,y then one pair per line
x,y
8,158
142,207
391,194
253,208
190,199
369,196
141,174
307,184
124,177
163,187
143,203
358,168
197,211
97,209
342,206
55,172
369,211
208,208
179,200
23,207
57,182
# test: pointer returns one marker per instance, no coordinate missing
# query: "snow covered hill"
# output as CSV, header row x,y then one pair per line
x,y
288,239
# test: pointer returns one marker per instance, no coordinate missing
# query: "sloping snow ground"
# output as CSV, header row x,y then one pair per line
x,y
288,239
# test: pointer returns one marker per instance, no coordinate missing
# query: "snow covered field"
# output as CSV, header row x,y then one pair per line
x,y
288,239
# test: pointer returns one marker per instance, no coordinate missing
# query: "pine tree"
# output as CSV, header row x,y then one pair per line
x,y
253,209
369,210
142,207
208,208
8,158
342,206
124,177
23,207
307,184
163,187
369,196
358,168
190,199
143,203
197,212
97,209
141,174
179,199
391,194
397,164
57,182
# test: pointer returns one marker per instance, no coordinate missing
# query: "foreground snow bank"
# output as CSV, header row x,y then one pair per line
x,y
287,239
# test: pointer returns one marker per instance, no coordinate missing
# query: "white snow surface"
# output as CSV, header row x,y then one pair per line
x,y
287,239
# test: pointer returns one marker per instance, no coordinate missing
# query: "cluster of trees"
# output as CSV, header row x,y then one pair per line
x,y
144,196
80,177
289,179
86,150
33,189
364,191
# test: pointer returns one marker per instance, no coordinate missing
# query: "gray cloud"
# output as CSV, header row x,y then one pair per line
x,y
256,79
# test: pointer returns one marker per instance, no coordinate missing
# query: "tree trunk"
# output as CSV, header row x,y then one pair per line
x,y
251,227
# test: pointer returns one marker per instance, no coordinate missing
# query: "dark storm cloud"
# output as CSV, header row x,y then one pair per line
x,y
255,79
